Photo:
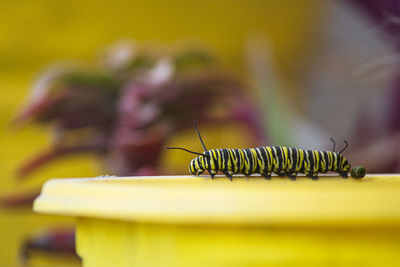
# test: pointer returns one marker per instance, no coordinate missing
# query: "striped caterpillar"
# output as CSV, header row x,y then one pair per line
x,y
283,161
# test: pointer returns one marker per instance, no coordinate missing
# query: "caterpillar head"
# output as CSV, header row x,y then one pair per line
x,y
197,165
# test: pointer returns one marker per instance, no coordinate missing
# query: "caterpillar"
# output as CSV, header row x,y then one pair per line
x,y
265,160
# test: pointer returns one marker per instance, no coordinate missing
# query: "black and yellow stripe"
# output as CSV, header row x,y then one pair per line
x,y
269,159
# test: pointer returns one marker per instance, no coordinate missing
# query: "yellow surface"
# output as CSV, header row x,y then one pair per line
x,y
186,199
191,221
103,243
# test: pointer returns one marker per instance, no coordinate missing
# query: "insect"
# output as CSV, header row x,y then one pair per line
x,y
281,160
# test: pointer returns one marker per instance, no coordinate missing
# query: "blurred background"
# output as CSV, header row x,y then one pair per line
x,y
93,88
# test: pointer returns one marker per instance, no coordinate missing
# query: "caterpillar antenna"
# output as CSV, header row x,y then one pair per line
x,y
184,149
334,144
197,130
347,144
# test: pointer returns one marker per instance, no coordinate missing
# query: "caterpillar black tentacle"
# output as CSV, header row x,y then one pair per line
x,y
281,160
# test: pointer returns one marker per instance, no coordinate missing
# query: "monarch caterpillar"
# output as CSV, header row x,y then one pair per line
x,y
267,159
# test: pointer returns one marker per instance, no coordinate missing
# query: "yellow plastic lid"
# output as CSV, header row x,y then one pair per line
x,y
373,200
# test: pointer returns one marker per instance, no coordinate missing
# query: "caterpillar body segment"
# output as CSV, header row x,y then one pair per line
x,y
265,160
283,161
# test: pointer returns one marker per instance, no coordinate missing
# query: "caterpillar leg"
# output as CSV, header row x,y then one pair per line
x,y
292,176
229,175
199,172
212,175
344,174
313,176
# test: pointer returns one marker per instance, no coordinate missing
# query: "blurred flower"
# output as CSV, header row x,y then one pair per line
x,y
126,109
